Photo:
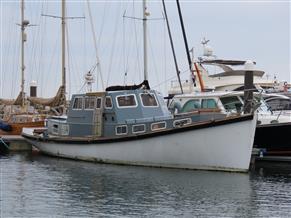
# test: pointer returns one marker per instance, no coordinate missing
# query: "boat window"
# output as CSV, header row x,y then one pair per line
x,y
279,104
209,103
182,122
89,103
231,103
99,103
126,101
78,103
121,130
148,100
64,129
108,102
55,129
191,105
138,128
158,126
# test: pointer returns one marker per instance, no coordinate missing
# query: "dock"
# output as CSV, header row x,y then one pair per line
x,y
15,143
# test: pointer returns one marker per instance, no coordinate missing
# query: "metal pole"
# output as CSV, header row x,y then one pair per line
x,y
172,46
145,58
184,36
248,93
64,45
22,51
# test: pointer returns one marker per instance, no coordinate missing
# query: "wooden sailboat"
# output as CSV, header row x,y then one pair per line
x,y
13,122
59,100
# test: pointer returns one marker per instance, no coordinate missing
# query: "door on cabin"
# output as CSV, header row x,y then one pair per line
x,y
98,117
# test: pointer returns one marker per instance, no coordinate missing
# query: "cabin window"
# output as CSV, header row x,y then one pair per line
x,y
78,103
231,103
208,103
126,101
182,122
138,128
89,103
121,130
279,104
108,102
149,100
158,126
64,129
55,129
99,103
191,105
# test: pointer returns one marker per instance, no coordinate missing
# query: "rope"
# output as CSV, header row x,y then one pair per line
x,y
171,78
42,39
51,61
1,140
95,45
113,44
153,59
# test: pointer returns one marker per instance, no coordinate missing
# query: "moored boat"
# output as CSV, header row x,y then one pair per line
x,y
132,125
135,127
16,122
273,126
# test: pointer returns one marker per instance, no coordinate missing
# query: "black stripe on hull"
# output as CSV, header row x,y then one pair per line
x,y
274,137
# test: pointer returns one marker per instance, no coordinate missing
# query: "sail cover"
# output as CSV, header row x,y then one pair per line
x,y
143,85
17,101
58,100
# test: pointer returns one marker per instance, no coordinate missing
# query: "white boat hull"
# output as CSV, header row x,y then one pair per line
x,y
224,147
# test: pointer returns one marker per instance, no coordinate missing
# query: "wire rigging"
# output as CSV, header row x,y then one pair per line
x,y
43,37
138,64
113,45
95,45
153,57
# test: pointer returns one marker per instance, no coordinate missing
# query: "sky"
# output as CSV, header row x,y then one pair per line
x,y
244,30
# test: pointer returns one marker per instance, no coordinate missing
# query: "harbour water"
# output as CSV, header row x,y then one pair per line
x,y
33,185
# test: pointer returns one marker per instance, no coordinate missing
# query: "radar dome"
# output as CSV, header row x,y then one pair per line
x,y
208,51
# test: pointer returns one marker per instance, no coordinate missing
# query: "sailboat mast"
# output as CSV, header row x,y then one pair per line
x,y
185,38
64,45
23,39
172,46
145,58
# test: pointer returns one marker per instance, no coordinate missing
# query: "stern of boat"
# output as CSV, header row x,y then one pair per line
x,y
32,135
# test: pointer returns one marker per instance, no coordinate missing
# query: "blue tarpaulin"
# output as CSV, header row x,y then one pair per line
x,y
5,127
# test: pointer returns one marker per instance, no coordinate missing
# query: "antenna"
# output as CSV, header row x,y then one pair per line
x,y
89,79
207,50
204,41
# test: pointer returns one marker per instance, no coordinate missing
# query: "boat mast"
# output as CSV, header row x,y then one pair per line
x,y
172,46
185,39
63,18
23,24
145,58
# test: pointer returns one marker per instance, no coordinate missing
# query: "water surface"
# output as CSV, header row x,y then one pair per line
x,y
41,186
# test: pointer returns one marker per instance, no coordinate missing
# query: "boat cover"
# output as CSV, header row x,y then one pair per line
x,y
5,127
143,85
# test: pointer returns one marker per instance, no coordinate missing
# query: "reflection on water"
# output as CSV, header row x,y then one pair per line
x,y
44,186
